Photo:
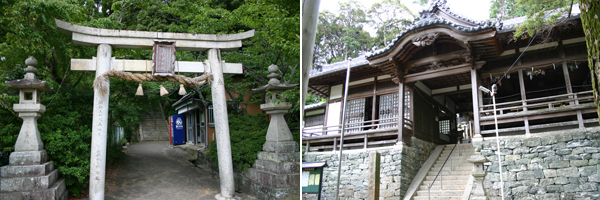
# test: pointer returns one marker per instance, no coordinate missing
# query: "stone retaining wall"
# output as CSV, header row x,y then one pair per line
x,y
399,164
559,165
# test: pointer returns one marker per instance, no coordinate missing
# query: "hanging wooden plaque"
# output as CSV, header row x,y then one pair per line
x,y
163,58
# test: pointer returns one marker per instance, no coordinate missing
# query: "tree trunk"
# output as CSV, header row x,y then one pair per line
x,y
591,27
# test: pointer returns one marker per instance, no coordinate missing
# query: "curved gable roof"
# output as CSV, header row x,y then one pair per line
x,y
438,15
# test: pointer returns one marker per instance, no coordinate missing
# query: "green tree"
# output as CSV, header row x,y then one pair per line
x,y
390,17
342,36
506,9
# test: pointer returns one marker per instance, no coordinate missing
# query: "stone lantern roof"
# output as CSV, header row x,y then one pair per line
x,y
274,83
29,81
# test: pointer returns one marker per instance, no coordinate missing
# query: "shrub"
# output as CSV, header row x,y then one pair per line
x,y
247,135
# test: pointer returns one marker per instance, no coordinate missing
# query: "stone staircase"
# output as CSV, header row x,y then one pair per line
x,y
454,181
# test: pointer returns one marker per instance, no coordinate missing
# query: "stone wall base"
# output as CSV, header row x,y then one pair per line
x,y
553,165
265,192
398,166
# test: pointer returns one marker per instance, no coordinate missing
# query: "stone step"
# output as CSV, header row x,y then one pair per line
x,y
456,168
452,193
455,153
467,145
436,198
56,192
28,182
26,170
277,167
447,177
446,182
466,173
272,179
454,161
436,186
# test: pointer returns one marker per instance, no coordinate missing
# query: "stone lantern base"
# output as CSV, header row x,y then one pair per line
x,y
31,176
276,174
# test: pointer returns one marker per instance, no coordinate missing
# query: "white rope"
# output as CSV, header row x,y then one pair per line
x,y
101,82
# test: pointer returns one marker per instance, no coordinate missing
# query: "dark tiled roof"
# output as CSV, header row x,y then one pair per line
x,y
429,18
338,66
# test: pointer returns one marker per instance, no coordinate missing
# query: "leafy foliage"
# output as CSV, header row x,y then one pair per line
x,y
247,135
343,36
542,15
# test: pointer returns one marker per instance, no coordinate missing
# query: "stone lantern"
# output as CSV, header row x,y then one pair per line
x,y
29,174
279,137
276,172
478,174
29,107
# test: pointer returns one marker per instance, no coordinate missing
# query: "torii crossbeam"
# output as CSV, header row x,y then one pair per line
x,y
106,39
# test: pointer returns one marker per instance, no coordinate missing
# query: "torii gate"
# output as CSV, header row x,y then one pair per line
x,y
106,39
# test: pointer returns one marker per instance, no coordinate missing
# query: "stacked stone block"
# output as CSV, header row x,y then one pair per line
x,y
398,166
275,174
561,165
31,176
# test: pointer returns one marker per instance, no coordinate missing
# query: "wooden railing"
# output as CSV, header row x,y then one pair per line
x,y
549,102
364,130
335,130
539,108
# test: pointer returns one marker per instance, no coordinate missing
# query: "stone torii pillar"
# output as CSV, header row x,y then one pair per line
x,y
106,39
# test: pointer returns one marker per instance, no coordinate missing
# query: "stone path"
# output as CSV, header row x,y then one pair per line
x,y
152,170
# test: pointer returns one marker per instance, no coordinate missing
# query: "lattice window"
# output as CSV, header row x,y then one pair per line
x,y
444,126
388,109
314,120
355,113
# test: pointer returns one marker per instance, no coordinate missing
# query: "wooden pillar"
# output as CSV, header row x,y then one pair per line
x,y
476,103
334,144
561,53
373,113
307,146
400,110
524,100
325,115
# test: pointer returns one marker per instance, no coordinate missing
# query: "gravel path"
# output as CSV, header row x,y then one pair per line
x,y
152,170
